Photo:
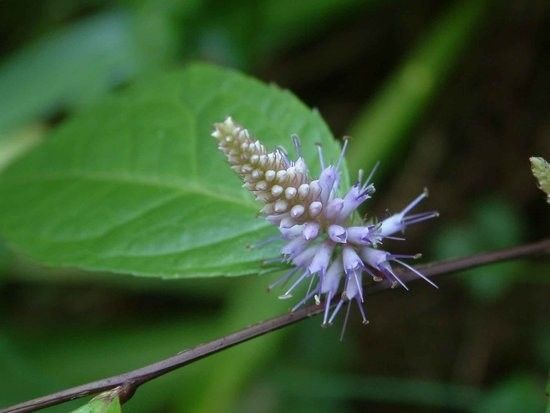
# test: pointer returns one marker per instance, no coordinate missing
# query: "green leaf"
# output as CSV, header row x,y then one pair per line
x,y
493,223
518,393
106,402
137,185
74,66
15,144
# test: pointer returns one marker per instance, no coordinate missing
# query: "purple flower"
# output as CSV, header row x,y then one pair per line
x,y
325,239
398,222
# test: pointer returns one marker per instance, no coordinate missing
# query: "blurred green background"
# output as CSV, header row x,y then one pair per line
x,y
452,96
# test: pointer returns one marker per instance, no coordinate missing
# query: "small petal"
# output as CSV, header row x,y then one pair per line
x,y
303,191
374,257
331,280
280,206
327,181
311,230
297,211
315,208
354,287
337,233
276,190
287,222
321,260
292,232
304,258
360,235
333,208
290,192
300,166
351,260
294,247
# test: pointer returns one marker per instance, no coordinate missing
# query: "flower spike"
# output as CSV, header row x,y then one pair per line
x,y
324,241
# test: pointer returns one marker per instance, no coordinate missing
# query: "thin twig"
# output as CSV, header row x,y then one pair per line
x,y
129,382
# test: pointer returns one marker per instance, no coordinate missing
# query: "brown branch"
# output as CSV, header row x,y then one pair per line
x,y
127,383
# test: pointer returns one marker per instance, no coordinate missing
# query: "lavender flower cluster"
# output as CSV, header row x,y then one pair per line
x,y
325,239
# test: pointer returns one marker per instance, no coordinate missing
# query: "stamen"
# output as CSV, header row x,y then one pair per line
x,y
327,307
406,256
336,310
310,285
320,153
360,174
303,301
417,273
345,322
273,260
297,145
372,172
396,238
368,190
282,280
423,216
359,287
283,153
367,269
342,152
296,283
397,279
362,311
264,242
415,202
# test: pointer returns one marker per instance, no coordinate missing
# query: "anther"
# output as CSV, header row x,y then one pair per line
x,y
343,151
320,153
297,145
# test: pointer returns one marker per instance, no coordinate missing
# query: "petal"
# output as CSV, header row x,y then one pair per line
x,y
321,260
351,260
337,233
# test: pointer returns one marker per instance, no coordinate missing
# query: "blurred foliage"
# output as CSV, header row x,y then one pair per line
x,y
381,389
72,67
62,327
78,64
517,394
492,224
14,144
385,124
